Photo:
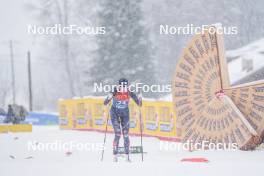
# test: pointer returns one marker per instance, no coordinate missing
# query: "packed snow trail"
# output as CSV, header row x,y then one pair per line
x,y
80,163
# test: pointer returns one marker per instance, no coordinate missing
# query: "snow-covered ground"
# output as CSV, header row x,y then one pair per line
x,y
17,159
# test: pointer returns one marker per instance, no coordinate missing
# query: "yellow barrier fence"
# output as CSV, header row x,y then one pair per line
x,y
158,117
15,128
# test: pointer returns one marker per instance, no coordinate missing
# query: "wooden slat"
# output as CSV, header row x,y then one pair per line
x,y
201,73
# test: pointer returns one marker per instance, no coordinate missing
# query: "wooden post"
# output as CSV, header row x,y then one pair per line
x,y
29,82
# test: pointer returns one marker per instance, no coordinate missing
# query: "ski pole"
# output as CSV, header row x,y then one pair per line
x,y
102,156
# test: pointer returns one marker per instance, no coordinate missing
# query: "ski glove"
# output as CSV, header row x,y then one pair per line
x,y
108,98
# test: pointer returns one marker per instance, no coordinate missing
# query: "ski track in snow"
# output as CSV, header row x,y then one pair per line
x,y
16,159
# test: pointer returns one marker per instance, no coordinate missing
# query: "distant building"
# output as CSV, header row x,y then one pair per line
x,y
246,64
257,75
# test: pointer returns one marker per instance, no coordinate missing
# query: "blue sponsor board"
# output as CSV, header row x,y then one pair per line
x,y
165,127
99,121
35,118
132,124
81,121
151,126
2,118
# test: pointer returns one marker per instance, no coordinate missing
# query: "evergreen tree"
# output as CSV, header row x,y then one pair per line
x,y
125,49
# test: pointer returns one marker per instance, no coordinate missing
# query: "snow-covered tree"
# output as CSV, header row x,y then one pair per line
x,y
63,57
125,49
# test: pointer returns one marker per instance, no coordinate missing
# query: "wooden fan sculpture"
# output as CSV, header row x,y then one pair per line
x,y
207,107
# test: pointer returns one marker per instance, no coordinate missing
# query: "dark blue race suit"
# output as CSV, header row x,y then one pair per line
x,y
119,113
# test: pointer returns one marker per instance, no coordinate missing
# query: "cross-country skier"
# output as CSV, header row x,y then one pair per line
x,y
119,113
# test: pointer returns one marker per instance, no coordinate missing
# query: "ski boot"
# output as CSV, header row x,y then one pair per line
x,y
115,159
128,159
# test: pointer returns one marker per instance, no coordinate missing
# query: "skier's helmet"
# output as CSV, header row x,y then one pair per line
x,y
123,82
